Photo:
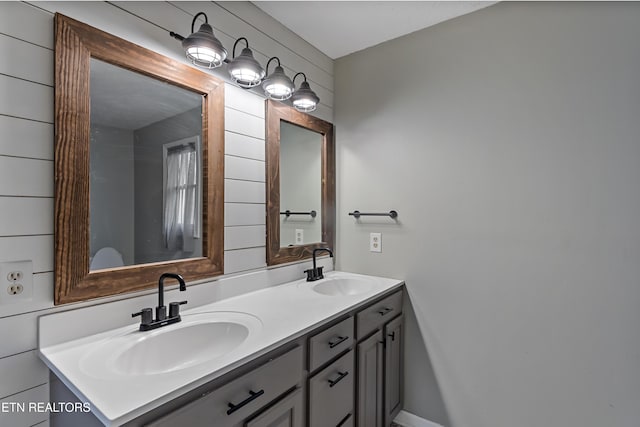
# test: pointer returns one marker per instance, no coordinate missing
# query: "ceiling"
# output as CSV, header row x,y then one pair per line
x,y
338,28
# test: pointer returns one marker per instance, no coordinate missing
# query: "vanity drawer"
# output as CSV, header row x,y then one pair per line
x,y
329,343
331,393
236,400
378,314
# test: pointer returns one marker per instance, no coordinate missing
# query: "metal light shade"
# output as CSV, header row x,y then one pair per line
x,y
304,99
204,49
277,85
245,70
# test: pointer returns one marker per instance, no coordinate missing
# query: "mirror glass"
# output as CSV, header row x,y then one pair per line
x,y
145,186
300,185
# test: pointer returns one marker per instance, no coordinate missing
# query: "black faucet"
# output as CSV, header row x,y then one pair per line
x,y
148,322
315,273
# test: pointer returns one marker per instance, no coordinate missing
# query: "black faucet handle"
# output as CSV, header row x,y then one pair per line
x,y
174,309
146,314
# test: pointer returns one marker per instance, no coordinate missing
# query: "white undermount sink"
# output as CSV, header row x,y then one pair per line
x,y
197,339
343,286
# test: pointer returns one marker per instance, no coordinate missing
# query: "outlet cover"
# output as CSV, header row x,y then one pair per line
x,y
299,236
16,282
375,242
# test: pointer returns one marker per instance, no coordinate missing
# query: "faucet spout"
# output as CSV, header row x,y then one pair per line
x,y
315,273
160,311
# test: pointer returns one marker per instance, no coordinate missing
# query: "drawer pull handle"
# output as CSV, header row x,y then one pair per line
x,y
393,336
344,420
385,311
253,395
338,341
337,380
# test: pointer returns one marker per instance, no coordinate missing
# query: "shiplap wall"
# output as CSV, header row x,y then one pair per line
x,y
26,148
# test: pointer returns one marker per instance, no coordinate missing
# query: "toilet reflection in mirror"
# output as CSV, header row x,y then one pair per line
x,y
145,169
300,185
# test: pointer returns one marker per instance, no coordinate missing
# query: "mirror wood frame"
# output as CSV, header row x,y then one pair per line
x,y
75,44
275,113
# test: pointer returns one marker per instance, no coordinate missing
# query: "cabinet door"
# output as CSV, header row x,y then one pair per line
x,y
370,363
393,369
286,413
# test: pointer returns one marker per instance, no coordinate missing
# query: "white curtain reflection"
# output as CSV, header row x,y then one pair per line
x,y
180,206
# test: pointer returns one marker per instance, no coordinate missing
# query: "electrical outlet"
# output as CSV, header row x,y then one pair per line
x,y
299,236
16,289
375,242
16,282
14,276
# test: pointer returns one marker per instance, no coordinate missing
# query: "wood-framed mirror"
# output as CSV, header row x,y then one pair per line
x,y
300,162
139,166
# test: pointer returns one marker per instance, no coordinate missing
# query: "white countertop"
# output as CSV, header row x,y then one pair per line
x,y
286,312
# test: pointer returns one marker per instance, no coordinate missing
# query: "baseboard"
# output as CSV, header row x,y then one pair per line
x,y
407,419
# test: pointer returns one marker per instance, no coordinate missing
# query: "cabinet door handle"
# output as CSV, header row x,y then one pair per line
x,y
253,395
337,380
344,420
393,336
385,311
338,341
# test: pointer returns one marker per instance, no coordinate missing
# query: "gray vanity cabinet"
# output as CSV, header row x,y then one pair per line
x,y
393,368
286,413
370,381
380,367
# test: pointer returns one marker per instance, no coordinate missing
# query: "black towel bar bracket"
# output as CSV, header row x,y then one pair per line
x,y
288,213
390,214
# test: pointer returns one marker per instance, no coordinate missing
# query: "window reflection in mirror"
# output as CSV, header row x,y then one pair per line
x,y
300,185
145,169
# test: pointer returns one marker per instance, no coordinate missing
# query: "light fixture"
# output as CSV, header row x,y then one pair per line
x,y
244,69
202,47
277,85
304,99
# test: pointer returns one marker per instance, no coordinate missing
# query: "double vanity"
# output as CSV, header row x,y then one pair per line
x,y
322,353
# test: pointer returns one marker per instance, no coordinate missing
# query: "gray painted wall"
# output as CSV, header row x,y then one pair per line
x,y
111,191
508,141
300,183
148,171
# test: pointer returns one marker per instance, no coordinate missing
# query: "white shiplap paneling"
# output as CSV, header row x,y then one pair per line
x,y
24,216
35,63
244,214
38,249
26,138
239,145
244,259
26,23
21,98
26,418
243,100
41,298
18,334
22,371
241,168
26,177
243,191
244,237
243,123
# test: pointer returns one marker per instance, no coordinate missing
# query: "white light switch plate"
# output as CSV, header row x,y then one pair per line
x,y
375,242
